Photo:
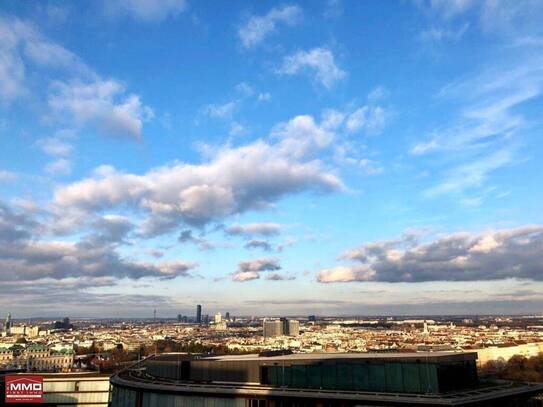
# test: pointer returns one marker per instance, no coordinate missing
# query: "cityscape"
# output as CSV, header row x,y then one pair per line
x,y
246,203
97,348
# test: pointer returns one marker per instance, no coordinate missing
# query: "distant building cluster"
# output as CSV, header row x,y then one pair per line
x,y
280,327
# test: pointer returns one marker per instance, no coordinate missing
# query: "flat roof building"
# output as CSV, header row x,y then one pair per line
x,y
324,379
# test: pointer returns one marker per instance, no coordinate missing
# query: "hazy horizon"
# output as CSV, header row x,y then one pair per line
x,y
329,157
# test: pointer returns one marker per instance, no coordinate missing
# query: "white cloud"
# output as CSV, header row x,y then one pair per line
x,y
245,276
222,111
23,46
301,136
236,129
146,10
61,166
235,180
318,61
371,119
245,89
450,8
484,136
82,97
370,167
264,97
333,9
437,35
54,146
102,104
257,28
472,174
7,175
493,255
511,19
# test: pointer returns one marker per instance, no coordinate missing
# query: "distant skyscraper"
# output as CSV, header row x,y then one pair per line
x,y
272,327
199,314
279,327
179,318
64,324
7,325
227,316
218,317
293,328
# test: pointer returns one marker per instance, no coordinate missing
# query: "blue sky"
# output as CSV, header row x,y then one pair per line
x,y
323,157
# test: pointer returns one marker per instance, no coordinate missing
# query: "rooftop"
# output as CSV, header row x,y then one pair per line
x,y
410,356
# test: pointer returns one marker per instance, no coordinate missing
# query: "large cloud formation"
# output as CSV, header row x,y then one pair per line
x,y
233,181
510,253
26,257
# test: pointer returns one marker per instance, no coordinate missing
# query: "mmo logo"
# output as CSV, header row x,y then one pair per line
x,y
24,389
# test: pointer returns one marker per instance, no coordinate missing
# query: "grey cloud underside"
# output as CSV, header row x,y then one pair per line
x,y
279,277
236,180
258,244
251,229
510,253
264,264
250,269
26,257
187,236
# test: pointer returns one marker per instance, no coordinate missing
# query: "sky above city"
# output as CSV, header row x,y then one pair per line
x,y
271,158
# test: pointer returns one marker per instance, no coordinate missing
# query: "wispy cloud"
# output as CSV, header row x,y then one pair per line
x,y
76,95
61,166
487,131
144,10
318,62
257,28
6,175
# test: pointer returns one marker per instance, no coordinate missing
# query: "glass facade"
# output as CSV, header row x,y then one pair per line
x,y
380,377
123,397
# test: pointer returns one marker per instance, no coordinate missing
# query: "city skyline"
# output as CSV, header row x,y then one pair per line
x,y
282,158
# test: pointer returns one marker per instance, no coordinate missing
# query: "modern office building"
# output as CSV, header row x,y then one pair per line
x,y
64,324
271,328
409,379
278,327
8,324
291,327
198,314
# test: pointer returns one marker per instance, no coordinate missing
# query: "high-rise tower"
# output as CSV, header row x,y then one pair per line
x,y
199,314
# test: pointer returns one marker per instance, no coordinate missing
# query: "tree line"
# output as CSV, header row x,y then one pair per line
x,y
518,368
